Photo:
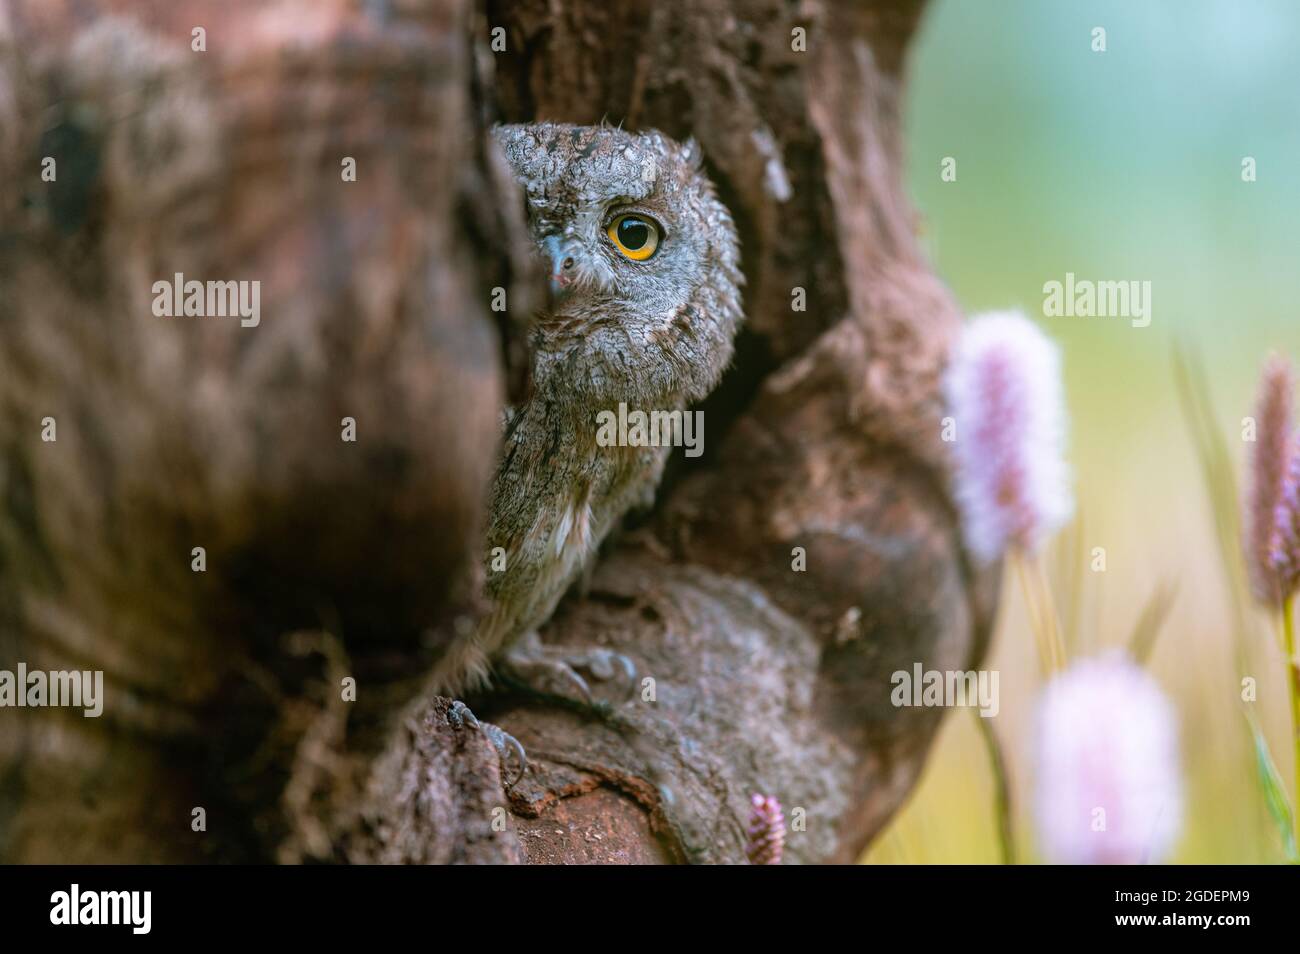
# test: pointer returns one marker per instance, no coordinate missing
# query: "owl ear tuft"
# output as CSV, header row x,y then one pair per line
x,y
692,154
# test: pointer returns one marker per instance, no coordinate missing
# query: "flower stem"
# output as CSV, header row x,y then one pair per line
x,y
1055,634
1031,607
1001,788
1042,612
1293,692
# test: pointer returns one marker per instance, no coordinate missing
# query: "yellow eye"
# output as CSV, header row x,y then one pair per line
x,y
636,236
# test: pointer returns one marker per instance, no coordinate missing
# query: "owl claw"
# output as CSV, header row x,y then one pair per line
x,y
553,670
607,665
459,715
546,675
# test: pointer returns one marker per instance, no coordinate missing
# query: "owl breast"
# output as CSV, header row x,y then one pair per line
x,y
561,532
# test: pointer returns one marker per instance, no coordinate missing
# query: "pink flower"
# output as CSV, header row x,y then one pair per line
x,y
1106,761
766,835
1004,393
1284,542
1269,462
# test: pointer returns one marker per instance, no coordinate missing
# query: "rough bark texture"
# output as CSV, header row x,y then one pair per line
x,y
329,559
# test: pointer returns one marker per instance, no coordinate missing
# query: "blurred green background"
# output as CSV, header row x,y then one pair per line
x,y
1115,166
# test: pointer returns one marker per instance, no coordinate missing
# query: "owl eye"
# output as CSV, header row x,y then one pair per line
x,y
636,236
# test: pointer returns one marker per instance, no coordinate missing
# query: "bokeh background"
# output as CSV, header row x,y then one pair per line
x,y
1115,166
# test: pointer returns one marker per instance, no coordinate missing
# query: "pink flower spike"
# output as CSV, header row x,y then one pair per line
x,y
765,840
1269,462
1004,393
1108,788
1284,542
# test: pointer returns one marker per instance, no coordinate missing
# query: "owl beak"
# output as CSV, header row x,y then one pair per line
x,y
563,267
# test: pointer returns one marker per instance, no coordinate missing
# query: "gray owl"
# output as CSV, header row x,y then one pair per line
x,y
644,303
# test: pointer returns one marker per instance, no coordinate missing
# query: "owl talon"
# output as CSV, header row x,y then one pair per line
x,y
553,670
547,676
608,665
460,716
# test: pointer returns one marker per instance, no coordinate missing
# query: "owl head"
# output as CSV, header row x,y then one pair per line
x,y
641,259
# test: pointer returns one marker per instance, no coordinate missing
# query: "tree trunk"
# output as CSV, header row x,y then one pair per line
x,y
766,600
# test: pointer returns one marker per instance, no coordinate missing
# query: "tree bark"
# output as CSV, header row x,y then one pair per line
x,y
769,596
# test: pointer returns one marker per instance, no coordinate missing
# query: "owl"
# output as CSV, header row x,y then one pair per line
x,y
644,304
